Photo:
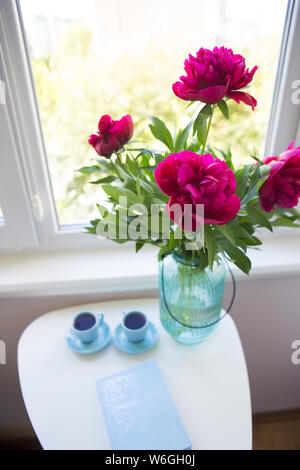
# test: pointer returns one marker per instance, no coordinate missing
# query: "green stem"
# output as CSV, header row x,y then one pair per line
x,y
116,169
208,128
119,158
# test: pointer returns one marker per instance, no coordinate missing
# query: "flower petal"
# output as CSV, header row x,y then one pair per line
x,y
226,213
213,94
239,96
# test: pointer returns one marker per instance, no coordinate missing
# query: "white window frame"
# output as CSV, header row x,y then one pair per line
x,y
284,123
22,116
28,205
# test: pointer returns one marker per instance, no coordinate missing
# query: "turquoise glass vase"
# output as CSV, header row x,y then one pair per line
x,y
190,298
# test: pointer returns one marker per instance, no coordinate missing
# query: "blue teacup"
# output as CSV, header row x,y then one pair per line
x,y
135,325
85,326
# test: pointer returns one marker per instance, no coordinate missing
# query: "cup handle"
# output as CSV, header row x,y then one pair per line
x,y
100,316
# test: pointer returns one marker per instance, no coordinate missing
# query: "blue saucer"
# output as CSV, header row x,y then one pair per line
x,y
122,343
99,343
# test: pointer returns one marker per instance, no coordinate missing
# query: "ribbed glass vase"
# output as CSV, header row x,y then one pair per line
x,y
190,298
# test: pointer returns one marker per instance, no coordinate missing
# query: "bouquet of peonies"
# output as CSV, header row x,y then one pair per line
x,y
188,198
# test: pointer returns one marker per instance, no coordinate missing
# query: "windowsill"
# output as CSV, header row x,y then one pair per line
x,y
120,270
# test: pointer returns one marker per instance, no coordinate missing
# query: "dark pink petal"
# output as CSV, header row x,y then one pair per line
x,y
182,211
278,163
184,92
112,135
239,96
123,129
282,188
195,193
105,149
266,204
207,160
166,176
94,139
193,180
185,174
291,145
105,123
225,214
213,94
244,80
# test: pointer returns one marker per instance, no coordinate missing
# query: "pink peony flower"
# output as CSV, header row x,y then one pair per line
x,y
189,178
212,75
282,188
112,135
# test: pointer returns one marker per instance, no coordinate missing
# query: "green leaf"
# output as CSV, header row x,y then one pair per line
x,y
91,230
190,104
257,159
132,166
106,164
252,191
201,133
242,244
197,122
241,177
182,138
258,218
202,117
293,211
237,256
253,241
139,245
203,259
228,158
138,186
264,171
210,244
206,111
284,222
150,168
227,232
143,151
102,209
161,132
94,222
240,232
107,179
242,235
164,251
115,192
242,213
87,170
123,170
222,105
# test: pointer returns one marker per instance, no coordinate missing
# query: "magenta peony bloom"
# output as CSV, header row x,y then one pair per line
x,y
189,178
212,75
112,135
282,188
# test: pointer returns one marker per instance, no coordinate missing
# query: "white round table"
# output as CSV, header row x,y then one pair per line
x,y
208,382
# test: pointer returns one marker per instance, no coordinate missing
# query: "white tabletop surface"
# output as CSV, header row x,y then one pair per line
x,y
208,382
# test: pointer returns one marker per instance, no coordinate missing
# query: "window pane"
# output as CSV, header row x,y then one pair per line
x,y
98,57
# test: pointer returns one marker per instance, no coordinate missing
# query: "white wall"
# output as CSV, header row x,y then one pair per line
x,y
267,315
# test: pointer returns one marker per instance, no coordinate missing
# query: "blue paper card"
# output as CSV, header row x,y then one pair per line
x,y
139,411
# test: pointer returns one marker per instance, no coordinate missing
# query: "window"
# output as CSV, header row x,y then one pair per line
x,y
64,66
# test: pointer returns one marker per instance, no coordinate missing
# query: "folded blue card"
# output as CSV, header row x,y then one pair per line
x,y
139,411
